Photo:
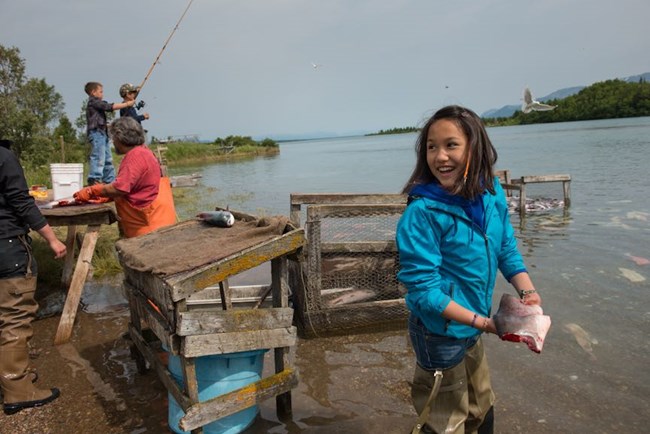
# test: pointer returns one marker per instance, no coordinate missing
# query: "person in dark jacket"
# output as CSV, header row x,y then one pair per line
x,y
19,214
129,92
101,158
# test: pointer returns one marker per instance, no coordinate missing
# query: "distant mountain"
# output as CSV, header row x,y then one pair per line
x,y
508,110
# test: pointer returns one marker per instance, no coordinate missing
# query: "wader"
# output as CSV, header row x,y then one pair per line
x,y
18,308
463,403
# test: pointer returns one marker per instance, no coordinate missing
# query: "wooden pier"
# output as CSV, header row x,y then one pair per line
x,y
519,184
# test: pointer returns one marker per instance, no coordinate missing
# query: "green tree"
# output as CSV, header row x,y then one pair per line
x,y
28,109
603,100
81,122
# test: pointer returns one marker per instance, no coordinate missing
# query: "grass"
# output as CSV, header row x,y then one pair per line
x,y
182,154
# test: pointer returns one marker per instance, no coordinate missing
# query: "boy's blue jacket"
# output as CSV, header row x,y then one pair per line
x,y
444,255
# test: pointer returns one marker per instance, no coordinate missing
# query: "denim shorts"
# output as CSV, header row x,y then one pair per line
x,y
435,351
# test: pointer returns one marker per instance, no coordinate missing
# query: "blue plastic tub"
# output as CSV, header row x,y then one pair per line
x,y
218,374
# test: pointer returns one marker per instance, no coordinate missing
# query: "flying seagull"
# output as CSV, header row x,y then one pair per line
x,y
315,65
530,104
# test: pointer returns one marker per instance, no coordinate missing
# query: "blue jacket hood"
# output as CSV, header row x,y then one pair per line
x,y
473,208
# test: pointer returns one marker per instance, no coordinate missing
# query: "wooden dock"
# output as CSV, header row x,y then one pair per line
x,y
519,184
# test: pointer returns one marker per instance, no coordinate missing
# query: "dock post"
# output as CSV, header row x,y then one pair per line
x,y
566,186
522,199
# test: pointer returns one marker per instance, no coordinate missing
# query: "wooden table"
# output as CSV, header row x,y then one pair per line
x,y
74,277
169,308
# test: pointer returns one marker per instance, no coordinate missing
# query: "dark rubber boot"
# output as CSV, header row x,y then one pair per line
x,y
487,427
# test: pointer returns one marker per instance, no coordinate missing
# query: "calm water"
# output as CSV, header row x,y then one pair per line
x,y
596,354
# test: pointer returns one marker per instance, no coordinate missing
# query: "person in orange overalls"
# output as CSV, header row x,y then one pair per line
x,y
143,197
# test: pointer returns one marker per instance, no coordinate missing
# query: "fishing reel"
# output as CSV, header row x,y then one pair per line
x,y
140,105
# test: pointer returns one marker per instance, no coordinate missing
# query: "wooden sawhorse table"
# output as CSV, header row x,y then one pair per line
x,y
74,277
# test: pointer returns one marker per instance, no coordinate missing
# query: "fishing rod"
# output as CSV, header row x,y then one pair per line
x,y
153,65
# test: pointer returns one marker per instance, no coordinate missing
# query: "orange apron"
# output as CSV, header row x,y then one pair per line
x,y
139,221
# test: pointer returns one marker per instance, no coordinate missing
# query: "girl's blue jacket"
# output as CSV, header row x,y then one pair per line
x,y
444,255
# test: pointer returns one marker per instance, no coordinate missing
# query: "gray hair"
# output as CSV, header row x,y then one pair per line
x,y
127,131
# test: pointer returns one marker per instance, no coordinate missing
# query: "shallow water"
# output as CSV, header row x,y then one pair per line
x,y
579,258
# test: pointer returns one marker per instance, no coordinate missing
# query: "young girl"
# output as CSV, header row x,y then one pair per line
x,y
453,236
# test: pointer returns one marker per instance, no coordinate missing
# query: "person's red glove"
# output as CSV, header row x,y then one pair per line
x,y
88,193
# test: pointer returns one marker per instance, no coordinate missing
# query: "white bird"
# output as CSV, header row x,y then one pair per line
x,y
530,104
315,65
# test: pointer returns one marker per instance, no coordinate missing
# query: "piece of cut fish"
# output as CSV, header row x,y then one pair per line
x,y
638,260
518,322
583,338
631,275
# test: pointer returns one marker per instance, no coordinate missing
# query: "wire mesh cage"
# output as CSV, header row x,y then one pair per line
x,y
348,279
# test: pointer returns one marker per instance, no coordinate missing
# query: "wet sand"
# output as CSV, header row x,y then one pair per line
x,y
348,384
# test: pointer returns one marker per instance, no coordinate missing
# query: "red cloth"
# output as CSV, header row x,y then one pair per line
x,y
139,177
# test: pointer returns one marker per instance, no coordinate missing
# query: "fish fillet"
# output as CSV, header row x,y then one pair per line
x,y
517,322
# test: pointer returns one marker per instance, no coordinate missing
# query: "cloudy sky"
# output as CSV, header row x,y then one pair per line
x,y
244,67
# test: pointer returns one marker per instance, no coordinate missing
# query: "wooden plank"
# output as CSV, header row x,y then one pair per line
x,y
314,278
165,376
294,214
188,367
224,292
184,284
318,212
236,291
280,288
544,178
359,247
279,282
237,320
522,201
566,187
345,198
153,318
154,288
135,310
68,262
223,343
76,286
101,217
503,175
237,400
511,186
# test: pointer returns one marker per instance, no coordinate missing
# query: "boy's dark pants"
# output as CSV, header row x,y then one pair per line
x,y
464,402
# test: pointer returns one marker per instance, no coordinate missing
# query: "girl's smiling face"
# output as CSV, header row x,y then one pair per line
x,y
446,152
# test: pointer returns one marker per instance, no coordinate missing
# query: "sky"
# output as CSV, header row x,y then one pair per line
x,y
244,67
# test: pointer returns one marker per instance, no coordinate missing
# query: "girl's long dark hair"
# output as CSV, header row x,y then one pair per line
x,y
480,151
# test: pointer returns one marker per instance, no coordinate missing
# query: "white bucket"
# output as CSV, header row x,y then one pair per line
x,y
66,179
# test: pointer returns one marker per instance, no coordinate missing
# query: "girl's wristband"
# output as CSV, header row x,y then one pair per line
x,y
526,292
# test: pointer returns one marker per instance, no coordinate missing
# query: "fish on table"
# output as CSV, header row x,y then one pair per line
x,y
519,322
223,219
